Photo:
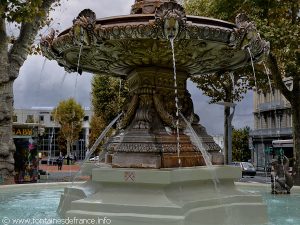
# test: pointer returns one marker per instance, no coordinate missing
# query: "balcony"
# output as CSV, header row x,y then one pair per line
x,y
271,106
274,132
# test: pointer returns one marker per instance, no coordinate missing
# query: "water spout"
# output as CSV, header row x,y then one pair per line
x,y
252,63
176,101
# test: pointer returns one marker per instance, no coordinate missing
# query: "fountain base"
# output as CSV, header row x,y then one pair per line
x,y
182,196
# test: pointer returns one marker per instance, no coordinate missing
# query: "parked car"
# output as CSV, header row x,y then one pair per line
x,y
96,158
247,168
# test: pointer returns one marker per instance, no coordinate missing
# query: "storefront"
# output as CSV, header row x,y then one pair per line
x,y
26,155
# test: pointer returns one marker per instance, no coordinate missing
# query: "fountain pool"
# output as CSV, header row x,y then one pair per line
x,y
40,201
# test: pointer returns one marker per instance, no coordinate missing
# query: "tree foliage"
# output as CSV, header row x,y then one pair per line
x,y
222,87
108,98
69,114
240,144
279,22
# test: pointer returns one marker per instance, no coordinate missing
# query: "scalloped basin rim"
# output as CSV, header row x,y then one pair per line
x,y
117,20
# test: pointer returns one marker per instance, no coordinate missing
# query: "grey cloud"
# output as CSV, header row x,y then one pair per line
x,y
212,115
43,87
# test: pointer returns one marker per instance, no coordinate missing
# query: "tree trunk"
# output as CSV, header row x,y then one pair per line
x,y
226,116
7,147
68,148
10,64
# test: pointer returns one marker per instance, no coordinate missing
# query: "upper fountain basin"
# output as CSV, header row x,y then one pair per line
x,y
116,45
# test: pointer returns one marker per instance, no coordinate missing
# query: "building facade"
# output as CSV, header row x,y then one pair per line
x,y
272,121
48,143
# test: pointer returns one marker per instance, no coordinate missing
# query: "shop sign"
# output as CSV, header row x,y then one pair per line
x,y
22,131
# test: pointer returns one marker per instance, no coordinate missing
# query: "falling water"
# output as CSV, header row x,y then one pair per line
x,y
198,143
260,116
50,145
268,75
252,63
40,80
176,101
78,63
96,144
92,150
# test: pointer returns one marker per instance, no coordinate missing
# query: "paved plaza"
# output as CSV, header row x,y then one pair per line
x,y
67,173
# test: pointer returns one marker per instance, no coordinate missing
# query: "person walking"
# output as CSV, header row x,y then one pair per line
x,y
60,162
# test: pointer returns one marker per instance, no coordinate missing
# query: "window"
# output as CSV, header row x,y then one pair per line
x,y
86,118
41,119
51,118
29,119
15,118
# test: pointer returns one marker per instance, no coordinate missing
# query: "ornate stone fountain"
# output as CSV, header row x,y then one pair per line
x,y
143,184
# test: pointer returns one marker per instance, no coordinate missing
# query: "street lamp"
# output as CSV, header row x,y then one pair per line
x,y
228,119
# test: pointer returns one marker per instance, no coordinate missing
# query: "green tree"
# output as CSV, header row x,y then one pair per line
x,y
278,22
223,87
240,144
69,114
108,98
29,16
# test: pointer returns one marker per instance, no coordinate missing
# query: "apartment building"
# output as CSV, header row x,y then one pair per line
x,y
272,121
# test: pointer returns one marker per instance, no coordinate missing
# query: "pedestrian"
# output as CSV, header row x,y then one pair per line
x,y
59,162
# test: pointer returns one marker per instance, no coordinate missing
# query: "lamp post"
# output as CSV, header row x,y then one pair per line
x,y
228,130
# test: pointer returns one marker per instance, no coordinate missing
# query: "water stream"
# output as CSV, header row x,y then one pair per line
x,y
199,144
96,144
176,101
40,81
77,70
90,152
268,75
252,63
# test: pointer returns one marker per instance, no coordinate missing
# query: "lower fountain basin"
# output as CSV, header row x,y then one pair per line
x,y
183,196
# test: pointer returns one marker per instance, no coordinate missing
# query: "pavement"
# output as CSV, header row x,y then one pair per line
x,y
65,168
68,173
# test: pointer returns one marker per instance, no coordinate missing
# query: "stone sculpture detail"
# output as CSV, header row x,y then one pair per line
x,y
246,36
171,19
281,180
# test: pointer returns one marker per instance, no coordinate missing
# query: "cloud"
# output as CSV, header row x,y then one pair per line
x,y
212,115
43,83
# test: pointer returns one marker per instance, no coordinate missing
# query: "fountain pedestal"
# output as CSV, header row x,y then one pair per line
x,y
147,136
182,196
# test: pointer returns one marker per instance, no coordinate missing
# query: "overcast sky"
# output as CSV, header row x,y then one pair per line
x,y
43,83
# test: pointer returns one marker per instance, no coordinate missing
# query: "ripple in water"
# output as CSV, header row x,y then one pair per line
x,y
33,204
